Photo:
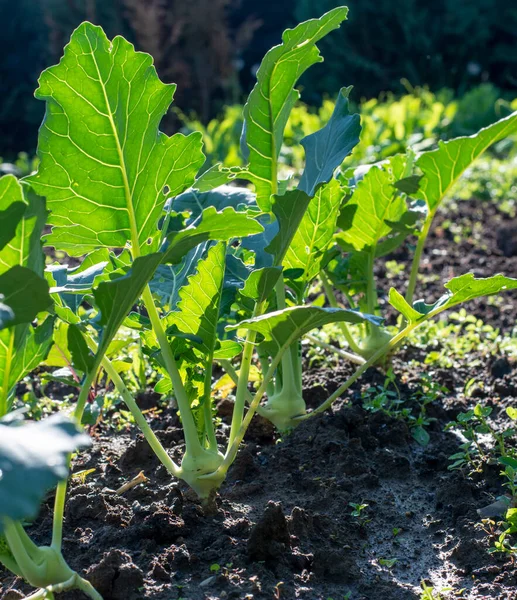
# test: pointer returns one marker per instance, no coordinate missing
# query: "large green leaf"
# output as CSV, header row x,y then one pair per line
x,y
442,167
460,289
12,207
213,226
375,206
33,458
169,279
104,163
315,233
197,311
260,283
326,149
283,327
271,100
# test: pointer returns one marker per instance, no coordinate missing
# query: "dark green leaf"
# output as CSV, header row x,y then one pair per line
x,y
82,359
195,201
289,210
25,293
115,298
327,148
260,283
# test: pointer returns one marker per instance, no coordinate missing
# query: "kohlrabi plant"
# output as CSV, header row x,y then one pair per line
x,y
387,202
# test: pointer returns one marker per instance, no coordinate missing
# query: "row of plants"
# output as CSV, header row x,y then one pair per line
x,y
206,274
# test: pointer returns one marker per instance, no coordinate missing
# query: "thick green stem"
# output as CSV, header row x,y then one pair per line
x,y
415,266
233,447
264,366
332,300
192,443
242,386
10,564
28,568
32,549
289,368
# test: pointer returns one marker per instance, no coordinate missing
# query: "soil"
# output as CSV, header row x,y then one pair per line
x,y
282,526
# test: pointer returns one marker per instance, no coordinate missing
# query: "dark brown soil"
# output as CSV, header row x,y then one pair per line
x,y
283,528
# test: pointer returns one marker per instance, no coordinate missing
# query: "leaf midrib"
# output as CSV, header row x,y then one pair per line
x,y
135,245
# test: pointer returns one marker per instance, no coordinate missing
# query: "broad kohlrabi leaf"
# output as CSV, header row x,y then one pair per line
x,y
271,100
326,149
460,289
374,207
315,233
283,327
33,458
104,163
116,297
213,226
220,198
12,208
197,311
442,167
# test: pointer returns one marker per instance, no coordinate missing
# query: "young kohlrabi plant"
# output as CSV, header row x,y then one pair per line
x,y
388,202
33,457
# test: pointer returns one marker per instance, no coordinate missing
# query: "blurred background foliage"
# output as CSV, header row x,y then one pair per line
x,y
409,60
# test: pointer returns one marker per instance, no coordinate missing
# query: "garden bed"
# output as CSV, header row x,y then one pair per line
x,y
283,525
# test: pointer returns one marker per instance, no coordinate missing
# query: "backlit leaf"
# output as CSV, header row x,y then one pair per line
x,y
442,167
271,100
104,163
